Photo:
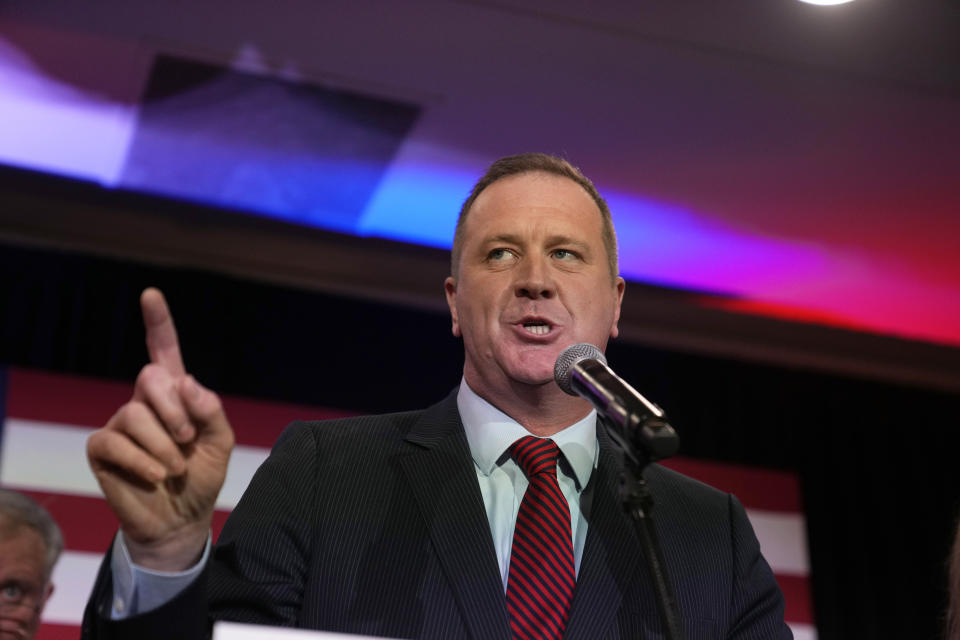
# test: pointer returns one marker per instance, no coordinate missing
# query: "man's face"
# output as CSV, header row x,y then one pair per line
x,y
533,279
23,586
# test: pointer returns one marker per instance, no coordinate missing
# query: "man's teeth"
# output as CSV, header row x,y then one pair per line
x,y
537,329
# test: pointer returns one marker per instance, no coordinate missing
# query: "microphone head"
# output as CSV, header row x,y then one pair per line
x,y
563,369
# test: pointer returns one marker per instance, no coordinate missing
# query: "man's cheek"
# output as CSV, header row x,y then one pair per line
x,y
11,627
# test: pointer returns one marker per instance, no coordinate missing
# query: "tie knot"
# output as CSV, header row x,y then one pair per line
x,y
535,455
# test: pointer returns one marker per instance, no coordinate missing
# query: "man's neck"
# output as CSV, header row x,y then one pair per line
x,y
542,409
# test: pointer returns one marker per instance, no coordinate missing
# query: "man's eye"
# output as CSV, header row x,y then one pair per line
x,y
11,592
564,254
498,254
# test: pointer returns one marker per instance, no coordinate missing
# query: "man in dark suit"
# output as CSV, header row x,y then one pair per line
x,y
490,514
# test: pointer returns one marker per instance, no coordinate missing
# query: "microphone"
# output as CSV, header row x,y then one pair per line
x,y
581,370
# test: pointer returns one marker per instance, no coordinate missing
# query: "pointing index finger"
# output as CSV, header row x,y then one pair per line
x,y
162,343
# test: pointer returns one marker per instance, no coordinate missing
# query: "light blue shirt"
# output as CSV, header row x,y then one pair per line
x,y
490,432
137,590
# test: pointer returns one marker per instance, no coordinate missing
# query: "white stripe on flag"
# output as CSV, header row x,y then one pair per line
x,y
46,456
803,631
783,540
73,578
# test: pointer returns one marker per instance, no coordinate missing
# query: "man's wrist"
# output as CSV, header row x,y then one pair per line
x,y
172,554
137,589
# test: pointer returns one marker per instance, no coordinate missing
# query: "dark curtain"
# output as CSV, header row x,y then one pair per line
x,y
876,461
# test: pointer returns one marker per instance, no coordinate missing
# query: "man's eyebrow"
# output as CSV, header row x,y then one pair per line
x,y
554,241
507,238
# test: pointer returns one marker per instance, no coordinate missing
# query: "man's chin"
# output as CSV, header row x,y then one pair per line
x,y
533,376
528,366
534,381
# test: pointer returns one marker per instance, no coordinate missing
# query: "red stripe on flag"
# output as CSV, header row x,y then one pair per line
x,y
796,593
764,489
89,403
219,518
87,523
57,632
36,395
258,423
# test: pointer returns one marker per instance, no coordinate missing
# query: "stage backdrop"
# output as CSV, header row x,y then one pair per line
x,y
47,418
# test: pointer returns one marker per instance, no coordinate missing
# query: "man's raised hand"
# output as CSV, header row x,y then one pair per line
x,y
162,458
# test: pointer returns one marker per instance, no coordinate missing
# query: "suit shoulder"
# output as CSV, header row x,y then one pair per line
x,y
355,429
673,490
662,476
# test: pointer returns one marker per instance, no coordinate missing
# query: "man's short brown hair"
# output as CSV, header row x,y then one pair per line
x,y
526,163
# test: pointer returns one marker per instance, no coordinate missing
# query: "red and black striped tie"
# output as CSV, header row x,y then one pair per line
x,y
542,573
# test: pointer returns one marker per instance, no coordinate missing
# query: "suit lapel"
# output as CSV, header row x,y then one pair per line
x,y
442,479
610,555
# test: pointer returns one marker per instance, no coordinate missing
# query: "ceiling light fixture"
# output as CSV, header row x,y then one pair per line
x,y
825,3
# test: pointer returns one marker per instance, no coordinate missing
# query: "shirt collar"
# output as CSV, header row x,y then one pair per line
x,y
490,432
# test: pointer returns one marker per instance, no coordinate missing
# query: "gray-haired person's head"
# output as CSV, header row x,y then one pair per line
x,y
18,510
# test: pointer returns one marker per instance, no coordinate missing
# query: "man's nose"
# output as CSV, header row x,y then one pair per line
x,y
534,279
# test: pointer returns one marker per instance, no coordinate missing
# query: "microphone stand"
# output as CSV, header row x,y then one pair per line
x,y
639,428
652,439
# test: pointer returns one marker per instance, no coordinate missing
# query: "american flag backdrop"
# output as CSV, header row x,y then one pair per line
x,y
47,417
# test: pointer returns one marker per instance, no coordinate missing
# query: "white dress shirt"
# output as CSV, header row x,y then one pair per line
x,y
490,432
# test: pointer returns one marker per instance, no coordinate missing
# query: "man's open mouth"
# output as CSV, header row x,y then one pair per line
x,y
536,328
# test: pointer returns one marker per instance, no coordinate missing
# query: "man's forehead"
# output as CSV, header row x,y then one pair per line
x,y
23,561
549,198
534,186
21,536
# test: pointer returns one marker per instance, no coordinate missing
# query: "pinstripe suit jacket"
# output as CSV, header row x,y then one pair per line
x,y
375,525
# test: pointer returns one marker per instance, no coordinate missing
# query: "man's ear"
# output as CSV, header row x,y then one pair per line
x,y
619,287
450,289
47,592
